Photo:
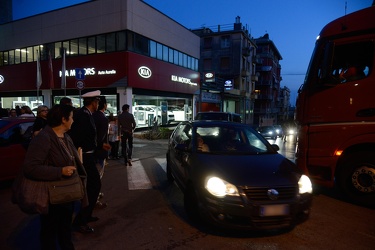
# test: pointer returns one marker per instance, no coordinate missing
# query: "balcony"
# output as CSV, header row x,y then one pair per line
x,y
245,72
246,51
257,60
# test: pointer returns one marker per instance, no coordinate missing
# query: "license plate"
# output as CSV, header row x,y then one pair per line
x,y
274,210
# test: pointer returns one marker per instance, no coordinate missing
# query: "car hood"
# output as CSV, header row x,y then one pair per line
x,y
254,170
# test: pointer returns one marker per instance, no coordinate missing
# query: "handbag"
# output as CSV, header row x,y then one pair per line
x,y
30,195
66,190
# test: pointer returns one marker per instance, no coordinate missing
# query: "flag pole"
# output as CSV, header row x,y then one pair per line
x,y
38,76
63,70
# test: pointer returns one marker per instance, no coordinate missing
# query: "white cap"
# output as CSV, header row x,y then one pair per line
x,y
91,94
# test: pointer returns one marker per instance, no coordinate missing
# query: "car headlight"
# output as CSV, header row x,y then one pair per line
x,y
220,188
291,131
305,185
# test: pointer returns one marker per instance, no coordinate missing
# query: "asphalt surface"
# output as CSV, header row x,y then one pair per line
x,y
149,214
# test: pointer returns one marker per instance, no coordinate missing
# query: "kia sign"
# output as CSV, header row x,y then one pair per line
x,y
144,72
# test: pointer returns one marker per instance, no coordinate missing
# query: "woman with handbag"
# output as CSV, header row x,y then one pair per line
x,y
52,158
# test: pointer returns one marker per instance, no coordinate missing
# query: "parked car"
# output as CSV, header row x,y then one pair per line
x,y
15,136
268,132
238,180
219,116
142,113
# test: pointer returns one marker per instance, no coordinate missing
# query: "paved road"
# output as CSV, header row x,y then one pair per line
x,y
146,212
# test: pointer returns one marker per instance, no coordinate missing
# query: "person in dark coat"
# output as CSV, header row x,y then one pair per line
x,y
40,120
102,144
127,125
102,124
84,135
51,156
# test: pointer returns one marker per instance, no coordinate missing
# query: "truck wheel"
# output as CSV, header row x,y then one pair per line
x,y
356,177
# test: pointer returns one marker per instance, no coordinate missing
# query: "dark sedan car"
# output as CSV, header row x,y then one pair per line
x,y
219,116
15,135
232,177
268,132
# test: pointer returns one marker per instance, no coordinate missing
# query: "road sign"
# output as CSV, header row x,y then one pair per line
x,y
80,74
80,85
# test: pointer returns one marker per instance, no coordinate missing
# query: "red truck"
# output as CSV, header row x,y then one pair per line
x,y
335,108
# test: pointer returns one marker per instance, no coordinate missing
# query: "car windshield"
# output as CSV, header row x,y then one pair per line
x,y
230,139
266,128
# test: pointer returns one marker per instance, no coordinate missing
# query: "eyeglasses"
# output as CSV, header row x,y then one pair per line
x,y
44,110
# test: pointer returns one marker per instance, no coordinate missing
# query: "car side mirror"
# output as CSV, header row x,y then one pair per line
x,y
275,147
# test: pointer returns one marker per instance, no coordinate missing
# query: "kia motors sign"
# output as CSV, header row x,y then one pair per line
x,y
144,72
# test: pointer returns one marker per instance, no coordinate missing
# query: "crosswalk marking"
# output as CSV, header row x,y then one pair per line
x,y
137,177
162,162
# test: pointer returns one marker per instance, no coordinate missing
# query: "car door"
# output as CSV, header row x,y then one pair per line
x,y
13,146
180,148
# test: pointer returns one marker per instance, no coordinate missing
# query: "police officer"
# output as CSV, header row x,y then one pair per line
x,y
83,132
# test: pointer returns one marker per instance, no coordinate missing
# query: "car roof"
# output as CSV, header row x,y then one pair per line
x,y
18,119
213,123
217,112
7,122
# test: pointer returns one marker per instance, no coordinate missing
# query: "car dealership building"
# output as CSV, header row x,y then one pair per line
x,y
127,49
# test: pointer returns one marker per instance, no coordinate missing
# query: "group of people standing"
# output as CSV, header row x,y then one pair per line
x,y
72,141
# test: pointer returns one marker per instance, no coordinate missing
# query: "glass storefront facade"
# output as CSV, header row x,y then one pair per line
x,y
148,110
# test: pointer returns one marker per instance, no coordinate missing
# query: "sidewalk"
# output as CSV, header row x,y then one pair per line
x,y
21,231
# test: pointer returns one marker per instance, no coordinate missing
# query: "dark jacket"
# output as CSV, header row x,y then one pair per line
x,y
101,123
83,131
45,157
126,122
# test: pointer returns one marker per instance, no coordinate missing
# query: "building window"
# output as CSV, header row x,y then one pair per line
x,y
165,53
180,59
225,42
170,55
110,42
207,64
17,56
224,63
153,49
29,53
74,47
159,51
140,44
175,57
207,43
100,44
116,41
91,45
121,40
4,58
82,46
23,53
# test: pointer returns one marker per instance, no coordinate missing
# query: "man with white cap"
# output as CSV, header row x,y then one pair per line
x,y
83,132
